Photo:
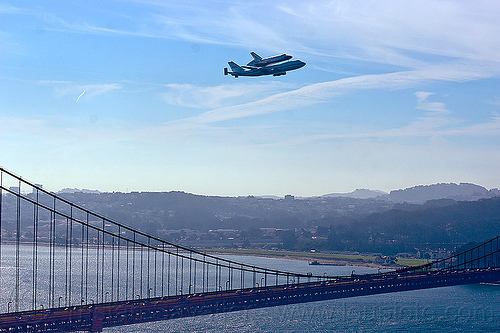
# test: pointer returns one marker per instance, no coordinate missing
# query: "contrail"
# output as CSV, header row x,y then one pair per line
x,y
81,95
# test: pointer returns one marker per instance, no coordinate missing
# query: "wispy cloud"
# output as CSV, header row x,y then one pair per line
x,y
193,96
377,32
436,122
100,89
78,99
423,103
68,88
327,91
381,32
9,9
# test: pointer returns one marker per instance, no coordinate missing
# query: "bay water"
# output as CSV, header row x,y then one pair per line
x,y
472,308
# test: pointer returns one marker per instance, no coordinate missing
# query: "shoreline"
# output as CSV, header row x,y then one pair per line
x,y
327,259
354,260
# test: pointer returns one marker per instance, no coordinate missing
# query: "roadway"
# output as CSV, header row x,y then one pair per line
x,y
94,318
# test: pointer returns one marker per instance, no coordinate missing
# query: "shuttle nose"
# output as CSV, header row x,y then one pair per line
x,y
301,63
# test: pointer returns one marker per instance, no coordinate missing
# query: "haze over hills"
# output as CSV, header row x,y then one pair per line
x,y
422,193
388,223
458,192
417,194
451,215
180,210
358,194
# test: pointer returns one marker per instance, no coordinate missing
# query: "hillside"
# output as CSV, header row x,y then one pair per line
x,y
337,223
458,192
403,231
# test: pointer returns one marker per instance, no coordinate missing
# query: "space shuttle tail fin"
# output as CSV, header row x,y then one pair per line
x,y
256,56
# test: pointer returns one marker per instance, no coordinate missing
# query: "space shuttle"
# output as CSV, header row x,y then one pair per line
x,y
258,61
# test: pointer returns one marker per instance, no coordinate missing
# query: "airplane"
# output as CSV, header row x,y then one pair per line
x,y
275,70
258,61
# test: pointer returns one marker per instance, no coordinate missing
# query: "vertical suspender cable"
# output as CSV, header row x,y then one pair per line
x,y
182,276
133,268
1,202
35,249
82,262
194,280
148,274
33,256
217,282
51,225
203,274
190,270
162,268
18,240
155,279
141,285
497,253
118,267
66,256
126,273
112,267
70,252
242,277
50,258
54,254
220,277
87,263
168,275
176,271
102,263
97,266
207,271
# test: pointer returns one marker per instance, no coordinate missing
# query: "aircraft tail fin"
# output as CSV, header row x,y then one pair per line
x,y
235,67
255,56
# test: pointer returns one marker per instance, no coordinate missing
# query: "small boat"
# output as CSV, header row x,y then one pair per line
x,y
317,263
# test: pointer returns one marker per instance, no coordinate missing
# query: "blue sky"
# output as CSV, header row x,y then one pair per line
x,y
130,95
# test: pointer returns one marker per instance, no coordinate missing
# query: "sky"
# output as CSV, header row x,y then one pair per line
x,y
129,95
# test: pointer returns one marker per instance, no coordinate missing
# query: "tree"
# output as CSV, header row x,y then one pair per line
x,y
288,239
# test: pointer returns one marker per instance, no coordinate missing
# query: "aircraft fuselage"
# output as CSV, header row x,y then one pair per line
x,y
275,70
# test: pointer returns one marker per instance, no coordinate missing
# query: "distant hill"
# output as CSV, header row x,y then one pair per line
x,y
429,227
179,210
458,192
423,193
422,217
357,194
77,190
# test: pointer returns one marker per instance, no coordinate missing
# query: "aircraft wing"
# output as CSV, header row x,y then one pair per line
x,y
250,67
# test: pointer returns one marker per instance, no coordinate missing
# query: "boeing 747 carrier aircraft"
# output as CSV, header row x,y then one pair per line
x,y
276,66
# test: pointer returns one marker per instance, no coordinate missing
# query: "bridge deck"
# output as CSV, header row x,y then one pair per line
x,y
96,317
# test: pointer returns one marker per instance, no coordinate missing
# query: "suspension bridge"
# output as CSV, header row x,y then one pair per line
x,y
66,268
